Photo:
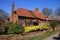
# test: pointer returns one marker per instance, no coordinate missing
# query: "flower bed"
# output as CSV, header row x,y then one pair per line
x,y
35,28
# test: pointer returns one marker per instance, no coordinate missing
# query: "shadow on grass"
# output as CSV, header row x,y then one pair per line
x,y
57,38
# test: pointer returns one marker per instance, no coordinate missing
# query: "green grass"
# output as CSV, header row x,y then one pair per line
x,y
41,37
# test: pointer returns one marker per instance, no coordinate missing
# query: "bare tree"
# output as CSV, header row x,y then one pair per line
x,y
3,15
3,18
47,11
57,11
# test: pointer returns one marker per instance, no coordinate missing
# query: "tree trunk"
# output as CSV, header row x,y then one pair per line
x,y
53,28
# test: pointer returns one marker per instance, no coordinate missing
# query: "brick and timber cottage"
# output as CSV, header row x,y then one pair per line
x,y
27,17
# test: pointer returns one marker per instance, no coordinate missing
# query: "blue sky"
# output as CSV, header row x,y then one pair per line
x,y
29,4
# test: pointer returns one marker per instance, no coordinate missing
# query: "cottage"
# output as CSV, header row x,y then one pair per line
x,y
27,17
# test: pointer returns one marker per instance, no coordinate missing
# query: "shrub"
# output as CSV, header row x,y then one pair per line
x,y
35,28
2,28
14,28
53,24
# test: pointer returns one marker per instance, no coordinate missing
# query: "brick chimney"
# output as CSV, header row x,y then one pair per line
x,y
13,17
12,12
36,10
12,7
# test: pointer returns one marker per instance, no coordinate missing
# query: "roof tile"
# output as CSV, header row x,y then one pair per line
x,y
29,13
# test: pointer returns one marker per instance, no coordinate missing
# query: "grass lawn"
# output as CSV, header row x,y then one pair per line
x,y
41,37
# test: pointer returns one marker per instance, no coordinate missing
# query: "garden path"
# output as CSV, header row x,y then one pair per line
x,y
54,37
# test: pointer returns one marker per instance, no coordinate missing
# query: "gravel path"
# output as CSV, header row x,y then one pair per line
x,y
54,37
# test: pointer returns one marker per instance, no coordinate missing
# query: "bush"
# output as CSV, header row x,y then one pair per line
x,y
14,28
53,24
2,28
35,28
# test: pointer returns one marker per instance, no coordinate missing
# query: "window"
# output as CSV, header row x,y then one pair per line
x,y
21,18
35,23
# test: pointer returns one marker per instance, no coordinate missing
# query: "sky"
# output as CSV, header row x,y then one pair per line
x,y
6,5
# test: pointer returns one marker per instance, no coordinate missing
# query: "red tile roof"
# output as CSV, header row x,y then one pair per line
x,y
29,13
40,15
23,12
